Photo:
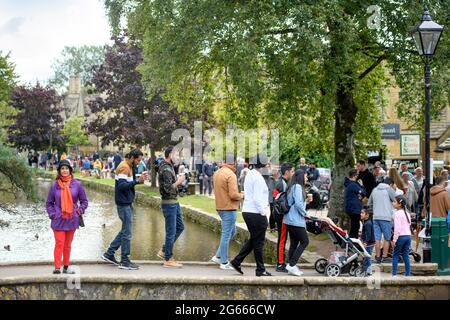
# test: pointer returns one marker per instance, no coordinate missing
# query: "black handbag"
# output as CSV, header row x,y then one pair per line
x,y
81,221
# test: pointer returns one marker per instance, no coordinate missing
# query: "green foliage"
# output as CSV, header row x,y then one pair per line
x,y
74,133
77,61
7,82
15,174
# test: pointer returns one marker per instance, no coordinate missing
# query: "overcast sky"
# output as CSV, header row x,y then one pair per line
x,y
36,31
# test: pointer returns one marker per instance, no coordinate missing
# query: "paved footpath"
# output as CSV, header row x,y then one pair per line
x,y
152,269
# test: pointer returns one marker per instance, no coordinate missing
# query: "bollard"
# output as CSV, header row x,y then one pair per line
x,y
439,243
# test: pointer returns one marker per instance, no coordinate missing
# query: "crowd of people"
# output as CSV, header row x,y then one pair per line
x,y
386,203
391,204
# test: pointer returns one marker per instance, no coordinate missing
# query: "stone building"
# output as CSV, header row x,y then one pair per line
x,y
404,143
75,103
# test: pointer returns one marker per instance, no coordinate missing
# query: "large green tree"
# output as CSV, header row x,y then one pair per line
x,y
7,82
319,62
76,61
15,174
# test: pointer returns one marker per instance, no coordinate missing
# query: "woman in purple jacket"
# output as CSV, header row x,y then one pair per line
x,y
64,211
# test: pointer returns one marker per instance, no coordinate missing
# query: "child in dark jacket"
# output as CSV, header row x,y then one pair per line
x,y
368,238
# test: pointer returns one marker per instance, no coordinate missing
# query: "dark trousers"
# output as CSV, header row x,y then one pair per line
x,y
257,225
282,238
297,235
271,218
354,225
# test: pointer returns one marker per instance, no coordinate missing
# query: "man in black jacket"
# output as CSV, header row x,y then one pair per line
x,y
168,188
367,178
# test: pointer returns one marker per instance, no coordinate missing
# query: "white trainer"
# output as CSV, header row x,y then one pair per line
x,y
215,260
226,266
295,271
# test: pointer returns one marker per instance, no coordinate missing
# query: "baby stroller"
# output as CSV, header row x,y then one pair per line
x,y
347,261
183,188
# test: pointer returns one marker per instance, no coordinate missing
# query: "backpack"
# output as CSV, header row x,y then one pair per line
x,y
281,204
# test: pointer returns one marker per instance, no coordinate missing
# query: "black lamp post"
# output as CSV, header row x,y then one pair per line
x,y
426,35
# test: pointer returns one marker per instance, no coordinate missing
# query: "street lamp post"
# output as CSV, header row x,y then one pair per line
x,y
426,36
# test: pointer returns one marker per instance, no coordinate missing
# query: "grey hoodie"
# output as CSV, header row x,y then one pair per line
x,y
381,200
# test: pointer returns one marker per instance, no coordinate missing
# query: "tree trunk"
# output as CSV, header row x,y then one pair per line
x,y
345,117
152,166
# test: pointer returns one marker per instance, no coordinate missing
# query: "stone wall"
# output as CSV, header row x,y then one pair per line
x,y
314,288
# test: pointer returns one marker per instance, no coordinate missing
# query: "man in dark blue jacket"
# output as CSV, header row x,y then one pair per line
x,y
124,196
354,193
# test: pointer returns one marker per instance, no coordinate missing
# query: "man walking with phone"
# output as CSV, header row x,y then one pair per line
x,y
168,188
124,196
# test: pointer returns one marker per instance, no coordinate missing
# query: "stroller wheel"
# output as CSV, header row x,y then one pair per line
x,y
320,265
333,270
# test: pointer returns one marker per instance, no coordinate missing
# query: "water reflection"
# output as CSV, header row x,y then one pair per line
x,y
102,224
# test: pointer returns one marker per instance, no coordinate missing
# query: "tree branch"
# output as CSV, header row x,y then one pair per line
x,y
283,31
373,66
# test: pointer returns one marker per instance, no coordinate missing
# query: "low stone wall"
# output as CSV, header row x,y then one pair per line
x,y
239,288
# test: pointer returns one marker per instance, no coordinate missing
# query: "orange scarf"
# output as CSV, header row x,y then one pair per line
x,y
66,197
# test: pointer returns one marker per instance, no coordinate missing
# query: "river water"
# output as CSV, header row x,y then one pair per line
x,y
30,237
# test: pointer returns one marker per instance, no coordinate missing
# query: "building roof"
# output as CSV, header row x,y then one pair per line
x,y
439,126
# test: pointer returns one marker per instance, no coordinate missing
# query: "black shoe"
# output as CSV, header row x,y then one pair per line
x,y
111,259
281,268
236,267
378,260
68,271
56,271
128,265
263,274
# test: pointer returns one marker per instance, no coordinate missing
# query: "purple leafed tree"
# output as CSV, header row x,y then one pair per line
x,y
37,123
124,113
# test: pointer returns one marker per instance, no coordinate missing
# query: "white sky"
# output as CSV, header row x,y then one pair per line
x,y
36,31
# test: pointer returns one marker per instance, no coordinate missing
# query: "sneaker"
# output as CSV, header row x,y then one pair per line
x,y
161,255
378,260
386,260
281,268
394,276
128,265
111,259
226,266
295,271
56,271
171,263
216,260
263,274
236,267
68,271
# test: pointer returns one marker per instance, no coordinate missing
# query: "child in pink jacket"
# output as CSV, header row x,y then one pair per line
x,y
402,235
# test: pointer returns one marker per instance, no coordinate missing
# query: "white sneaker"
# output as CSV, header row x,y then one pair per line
x,y
226,266
295,271
215,260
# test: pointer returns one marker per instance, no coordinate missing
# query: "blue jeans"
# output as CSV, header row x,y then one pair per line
x,y
123,238
207,184
174,226
367,262
228,233
402,248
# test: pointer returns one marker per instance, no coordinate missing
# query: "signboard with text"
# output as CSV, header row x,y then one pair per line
x,y
390,131
410,144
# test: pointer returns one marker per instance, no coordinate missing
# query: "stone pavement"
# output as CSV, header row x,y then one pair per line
x,y
154,269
